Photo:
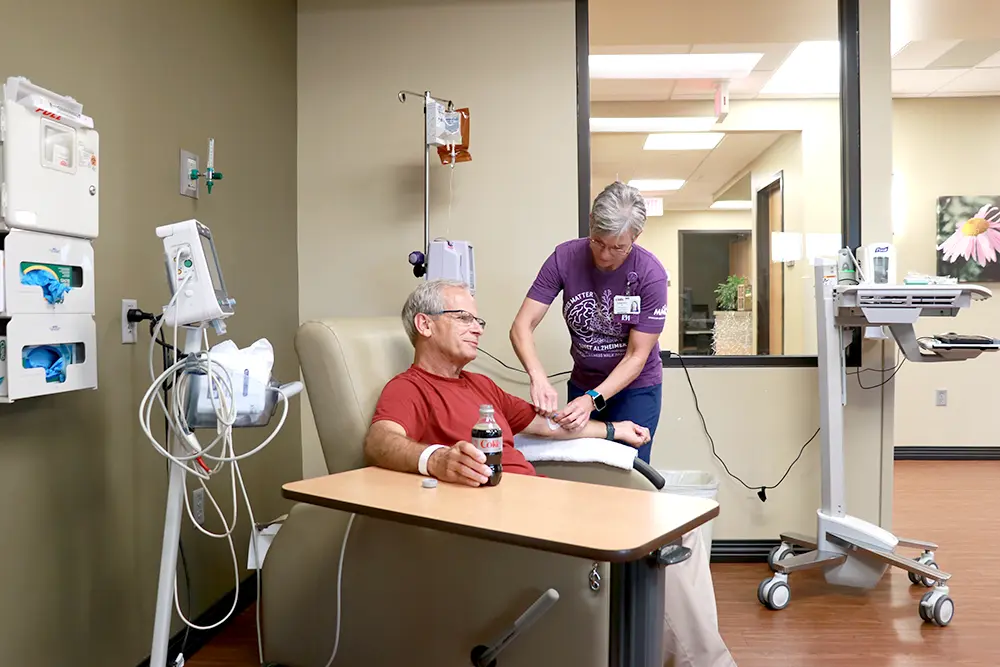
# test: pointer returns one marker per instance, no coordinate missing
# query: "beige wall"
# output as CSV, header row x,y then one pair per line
x,y
361,165
83,489
944,147
660,238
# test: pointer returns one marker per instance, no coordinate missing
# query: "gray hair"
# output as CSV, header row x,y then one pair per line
x,y
618,209
427,298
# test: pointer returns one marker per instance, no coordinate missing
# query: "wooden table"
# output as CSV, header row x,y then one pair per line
x,y
582,520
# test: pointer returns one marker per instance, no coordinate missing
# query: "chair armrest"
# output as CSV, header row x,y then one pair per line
x,y
650,473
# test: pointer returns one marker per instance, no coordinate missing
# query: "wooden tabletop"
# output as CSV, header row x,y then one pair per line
x,y
604,523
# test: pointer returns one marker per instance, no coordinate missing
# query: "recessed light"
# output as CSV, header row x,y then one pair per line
x,y
656,184
813,68
732,205
673,65
667,124
676,141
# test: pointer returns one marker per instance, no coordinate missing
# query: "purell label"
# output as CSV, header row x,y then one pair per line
x,y
488,445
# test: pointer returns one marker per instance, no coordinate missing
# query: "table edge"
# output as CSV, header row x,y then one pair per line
x,y
566,549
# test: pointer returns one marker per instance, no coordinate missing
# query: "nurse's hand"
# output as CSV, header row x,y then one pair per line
x,y
544,396
629,433
576,414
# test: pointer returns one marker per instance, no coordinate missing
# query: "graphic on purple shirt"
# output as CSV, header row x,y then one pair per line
x,y
599,337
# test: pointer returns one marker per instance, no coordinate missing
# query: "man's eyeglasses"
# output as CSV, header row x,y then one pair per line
x,y
463,316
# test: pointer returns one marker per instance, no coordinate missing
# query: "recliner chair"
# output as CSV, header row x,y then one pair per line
x,y
411,595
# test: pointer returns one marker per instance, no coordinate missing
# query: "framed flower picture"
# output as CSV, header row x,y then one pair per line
x,y
968,238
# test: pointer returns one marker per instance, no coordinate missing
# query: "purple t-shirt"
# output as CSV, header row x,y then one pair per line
x,y
599,337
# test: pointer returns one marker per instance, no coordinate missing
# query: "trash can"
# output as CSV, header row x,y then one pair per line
x,y
696,483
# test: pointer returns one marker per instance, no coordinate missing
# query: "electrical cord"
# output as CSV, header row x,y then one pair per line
x,y
761,490
519,370
340,589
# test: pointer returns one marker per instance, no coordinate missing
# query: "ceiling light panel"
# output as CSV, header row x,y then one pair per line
x,y
732,205
656,184
673,65
812,69
679,141
645,125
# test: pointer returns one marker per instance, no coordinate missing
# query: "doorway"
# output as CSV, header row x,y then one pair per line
x,y
770,300
706,259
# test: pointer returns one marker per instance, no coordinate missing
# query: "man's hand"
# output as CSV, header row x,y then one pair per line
x,y
461,463
631,434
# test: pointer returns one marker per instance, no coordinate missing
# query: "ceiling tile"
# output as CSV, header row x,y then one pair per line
x,y
630,90
992,61
918,55
968,53
922,82
973,81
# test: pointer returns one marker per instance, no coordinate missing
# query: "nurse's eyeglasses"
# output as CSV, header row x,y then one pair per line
x,y
614,249
463,316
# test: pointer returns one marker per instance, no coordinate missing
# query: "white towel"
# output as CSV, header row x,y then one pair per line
x,y
578,450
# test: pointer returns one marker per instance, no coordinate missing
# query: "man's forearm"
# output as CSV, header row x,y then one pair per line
x,y
592,429
393,451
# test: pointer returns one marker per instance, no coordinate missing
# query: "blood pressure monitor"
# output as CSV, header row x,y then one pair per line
x,y
195,277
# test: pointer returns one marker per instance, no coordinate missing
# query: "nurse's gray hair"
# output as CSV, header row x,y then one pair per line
x,y
427,298
618,209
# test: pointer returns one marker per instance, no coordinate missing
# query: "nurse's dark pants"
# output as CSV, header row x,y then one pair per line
x,y
641,406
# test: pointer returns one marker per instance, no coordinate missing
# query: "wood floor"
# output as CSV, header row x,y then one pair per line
x,y
956,504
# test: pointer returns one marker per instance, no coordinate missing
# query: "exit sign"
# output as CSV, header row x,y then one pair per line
x,y
654,206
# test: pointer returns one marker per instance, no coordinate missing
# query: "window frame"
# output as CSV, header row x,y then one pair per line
x,y
850,166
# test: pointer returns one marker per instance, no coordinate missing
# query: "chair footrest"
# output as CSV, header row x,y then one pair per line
x,y
809,560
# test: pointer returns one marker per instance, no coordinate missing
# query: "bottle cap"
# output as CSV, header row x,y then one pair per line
x,y
429,483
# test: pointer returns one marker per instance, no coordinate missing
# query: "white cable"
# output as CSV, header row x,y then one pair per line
x,y
340,589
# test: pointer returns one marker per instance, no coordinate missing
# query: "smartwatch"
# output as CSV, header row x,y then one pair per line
x,y
599,401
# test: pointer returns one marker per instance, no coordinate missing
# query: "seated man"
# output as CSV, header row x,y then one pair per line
x,y
423,423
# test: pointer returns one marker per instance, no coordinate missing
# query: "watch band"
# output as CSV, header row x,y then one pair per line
x,y
425,457
611,431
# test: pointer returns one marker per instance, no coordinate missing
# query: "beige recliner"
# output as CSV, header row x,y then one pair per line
x,y
411,595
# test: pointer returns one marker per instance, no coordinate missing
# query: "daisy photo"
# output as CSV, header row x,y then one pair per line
x,y
968,238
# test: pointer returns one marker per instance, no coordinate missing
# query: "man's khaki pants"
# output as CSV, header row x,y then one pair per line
x,y
690,621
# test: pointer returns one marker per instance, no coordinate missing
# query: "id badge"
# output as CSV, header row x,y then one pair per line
x,y
627,305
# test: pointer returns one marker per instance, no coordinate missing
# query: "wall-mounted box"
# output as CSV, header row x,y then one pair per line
x,y
36,264
50,166
47,354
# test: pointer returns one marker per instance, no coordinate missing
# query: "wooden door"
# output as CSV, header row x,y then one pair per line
x,y
776,295
741,258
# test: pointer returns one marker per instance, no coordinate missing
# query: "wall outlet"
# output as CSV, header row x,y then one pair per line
x,y
129,329
189,162
941,398
198,505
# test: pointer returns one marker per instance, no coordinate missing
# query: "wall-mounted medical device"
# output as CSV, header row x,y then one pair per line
x,y
878,263
49,172
446,129
51,163
210,175
197,287
454,260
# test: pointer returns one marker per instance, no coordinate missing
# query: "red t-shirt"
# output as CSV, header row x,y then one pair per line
x,y
436,410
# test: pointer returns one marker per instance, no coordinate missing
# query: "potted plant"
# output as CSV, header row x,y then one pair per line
x,y
733,328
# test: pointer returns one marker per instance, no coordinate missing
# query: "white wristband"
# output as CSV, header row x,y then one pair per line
x,y
425,457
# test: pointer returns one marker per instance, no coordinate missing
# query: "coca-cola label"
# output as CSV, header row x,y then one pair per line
x,y
488,445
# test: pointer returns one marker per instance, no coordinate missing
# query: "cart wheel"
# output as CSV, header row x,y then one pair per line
x,y
777,553
944,611
778,596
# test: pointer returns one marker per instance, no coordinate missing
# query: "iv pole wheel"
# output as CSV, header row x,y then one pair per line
x,y
926,558
777,553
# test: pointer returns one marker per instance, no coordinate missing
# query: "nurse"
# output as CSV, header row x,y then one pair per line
x,y
615,306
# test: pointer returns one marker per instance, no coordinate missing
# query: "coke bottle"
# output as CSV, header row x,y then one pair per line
x,y
487,436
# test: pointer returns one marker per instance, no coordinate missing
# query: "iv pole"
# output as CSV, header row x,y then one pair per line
x,y
418,259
